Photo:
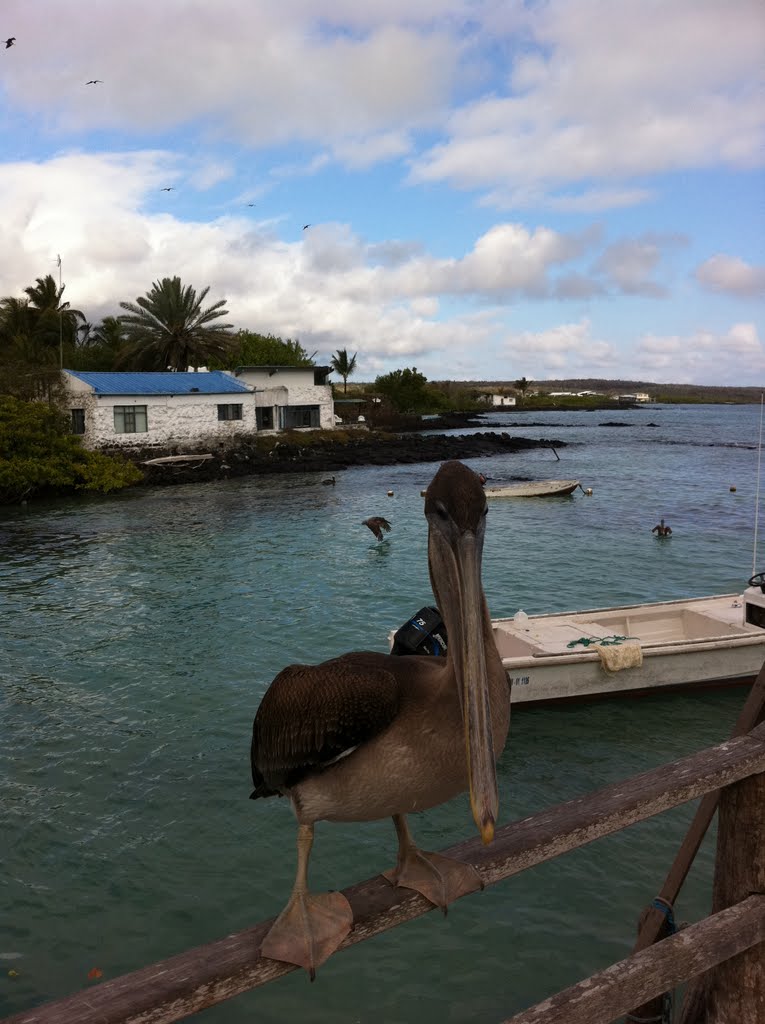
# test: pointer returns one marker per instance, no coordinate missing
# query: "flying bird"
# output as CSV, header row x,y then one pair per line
x,y
368,735
168,189
95,81
306,226
377,524
10,42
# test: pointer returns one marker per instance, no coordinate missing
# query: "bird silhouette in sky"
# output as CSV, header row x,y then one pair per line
x,y
251,204
95,81
10,42
169,188
306,226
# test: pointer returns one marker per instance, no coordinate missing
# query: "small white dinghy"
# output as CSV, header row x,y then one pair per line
x,y
626,650
532,489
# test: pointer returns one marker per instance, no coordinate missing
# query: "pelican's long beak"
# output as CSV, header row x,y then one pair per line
x,y
470,666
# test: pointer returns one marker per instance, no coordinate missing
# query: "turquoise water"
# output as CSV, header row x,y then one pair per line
x,y
140,631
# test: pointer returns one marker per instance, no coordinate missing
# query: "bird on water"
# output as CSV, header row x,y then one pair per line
x,y
377,525
367,735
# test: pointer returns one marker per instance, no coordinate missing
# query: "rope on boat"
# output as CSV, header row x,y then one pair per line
x,y
604,641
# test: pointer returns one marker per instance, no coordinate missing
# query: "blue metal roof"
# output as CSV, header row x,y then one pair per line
x,y
214,382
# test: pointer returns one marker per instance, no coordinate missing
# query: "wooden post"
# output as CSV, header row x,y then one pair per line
x,y
734,991
655,922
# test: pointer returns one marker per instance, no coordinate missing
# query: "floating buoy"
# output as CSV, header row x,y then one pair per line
x,y
390,494
732,490
588,492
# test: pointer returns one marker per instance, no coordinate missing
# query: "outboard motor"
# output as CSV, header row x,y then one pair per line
x,y
754,601
424,633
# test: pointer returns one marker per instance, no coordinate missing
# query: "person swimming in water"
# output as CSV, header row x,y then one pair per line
x,y
661,530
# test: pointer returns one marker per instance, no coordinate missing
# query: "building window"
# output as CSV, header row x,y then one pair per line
x,y
301,416
130,419
78,421
230,412
264,418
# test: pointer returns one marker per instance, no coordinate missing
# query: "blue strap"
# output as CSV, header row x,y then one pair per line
x,y
659,903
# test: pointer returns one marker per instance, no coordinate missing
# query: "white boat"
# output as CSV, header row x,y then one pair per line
x,y
632,649
532,489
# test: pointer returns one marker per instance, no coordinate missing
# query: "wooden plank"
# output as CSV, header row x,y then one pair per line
x,y
653,924
751,714
201,977
734,991
610,993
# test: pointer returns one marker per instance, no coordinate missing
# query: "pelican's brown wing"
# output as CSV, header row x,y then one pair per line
x,y
311,715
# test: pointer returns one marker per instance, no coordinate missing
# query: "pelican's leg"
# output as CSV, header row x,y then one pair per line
x,y
311,927
439,879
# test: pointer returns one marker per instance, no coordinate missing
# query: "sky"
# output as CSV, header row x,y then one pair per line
x,y
482,189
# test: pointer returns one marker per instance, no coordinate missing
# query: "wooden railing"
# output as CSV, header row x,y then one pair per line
x,y
191,981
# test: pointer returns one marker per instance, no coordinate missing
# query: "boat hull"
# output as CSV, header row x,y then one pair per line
x,y
533,489
704,642
661,672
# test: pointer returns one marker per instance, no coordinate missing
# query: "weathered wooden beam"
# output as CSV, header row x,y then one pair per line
x,y
610,993
201,977
734,992
650,927
653,924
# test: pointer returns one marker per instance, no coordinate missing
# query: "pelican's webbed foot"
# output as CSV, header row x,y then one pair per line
x,y
311,926
309,929
439,879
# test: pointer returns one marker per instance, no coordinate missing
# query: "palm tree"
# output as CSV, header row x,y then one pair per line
x,y
55,322
99,347
16,328
169,329
343,365
522,385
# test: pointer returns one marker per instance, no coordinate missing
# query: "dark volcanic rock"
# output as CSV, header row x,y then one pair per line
x,y
329,456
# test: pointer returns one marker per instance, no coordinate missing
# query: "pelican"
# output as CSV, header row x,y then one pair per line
x,y
368,735
377,524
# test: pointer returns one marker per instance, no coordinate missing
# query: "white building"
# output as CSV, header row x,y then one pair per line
x,y
290,397
141,410
500,400
189,410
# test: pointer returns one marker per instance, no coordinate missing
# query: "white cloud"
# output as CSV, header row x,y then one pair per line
x,y
630,264
734,357
612,91
564,350
258,74
730,274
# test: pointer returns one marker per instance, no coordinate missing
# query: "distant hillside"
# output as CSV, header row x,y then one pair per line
x,y
702,393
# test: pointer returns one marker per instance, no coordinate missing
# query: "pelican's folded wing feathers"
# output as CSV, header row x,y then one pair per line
x,y
312,715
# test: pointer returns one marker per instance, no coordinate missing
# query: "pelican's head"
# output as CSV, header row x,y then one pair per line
x,y
455,507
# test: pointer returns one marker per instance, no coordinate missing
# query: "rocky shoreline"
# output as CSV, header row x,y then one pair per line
x,y
331,456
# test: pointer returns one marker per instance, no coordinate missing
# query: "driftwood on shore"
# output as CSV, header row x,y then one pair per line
x,y
316,454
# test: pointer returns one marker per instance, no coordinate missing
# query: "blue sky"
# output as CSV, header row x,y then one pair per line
x,y
495,188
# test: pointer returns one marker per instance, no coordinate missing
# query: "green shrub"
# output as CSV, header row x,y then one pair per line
x,y
40,456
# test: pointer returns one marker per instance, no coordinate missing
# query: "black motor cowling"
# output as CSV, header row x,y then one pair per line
x,y
424,633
